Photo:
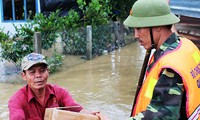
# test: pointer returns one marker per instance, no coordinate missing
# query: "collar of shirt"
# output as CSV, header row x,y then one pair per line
x,y
170,44
31,94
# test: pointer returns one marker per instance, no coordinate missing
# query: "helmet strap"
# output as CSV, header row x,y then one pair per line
x,y
152,39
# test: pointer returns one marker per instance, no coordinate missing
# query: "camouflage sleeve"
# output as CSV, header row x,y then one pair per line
x,y
166,99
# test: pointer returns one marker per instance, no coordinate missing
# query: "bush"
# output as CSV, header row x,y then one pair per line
x,y
71,28
96,14
21,44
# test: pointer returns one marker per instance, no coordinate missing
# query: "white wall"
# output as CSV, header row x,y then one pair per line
x,y
8,27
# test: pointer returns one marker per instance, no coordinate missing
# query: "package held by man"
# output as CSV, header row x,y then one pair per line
x,y
62,114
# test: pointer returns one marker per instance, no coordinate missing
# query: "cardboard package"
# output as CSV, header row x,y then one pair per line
x,y
63,114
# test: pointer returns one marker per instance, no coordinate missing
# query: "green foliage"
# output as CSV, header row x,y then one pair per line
x,y
72,33
101,39
14,48
21,44
70,27
55,62
121,8
71,21
5,44
75,43
48,26
96,13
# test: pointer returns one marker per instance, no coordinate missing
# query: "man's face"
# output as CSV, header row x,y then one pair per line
x,y
36,76
143,37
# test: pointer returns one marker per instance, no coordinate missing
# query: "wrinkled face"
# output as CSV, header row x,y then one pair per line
x,y
36,76
143,37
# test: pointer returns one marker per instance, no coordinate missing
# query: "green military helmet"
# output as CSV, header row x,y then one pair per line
x,y
149,13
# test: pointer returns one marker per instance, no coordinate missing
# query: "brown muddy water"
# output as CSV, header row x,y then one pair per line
x,y
106,83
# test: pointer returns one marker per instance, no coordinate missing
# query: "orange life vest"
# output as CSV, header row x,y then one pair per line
x,y
186,62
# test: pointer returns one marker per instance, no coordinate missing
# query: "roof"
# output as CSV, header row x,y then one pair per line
x,y
189,8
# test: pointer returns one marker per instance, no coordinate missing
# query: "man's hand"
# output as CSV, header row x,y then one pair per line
x,y
99,114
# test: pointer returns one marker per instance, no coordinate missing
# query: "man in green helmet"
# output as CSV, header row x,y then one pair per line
x,y
172,81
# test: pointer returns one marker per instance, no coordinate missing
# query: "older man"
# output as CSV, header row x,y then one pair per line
x,y
31,101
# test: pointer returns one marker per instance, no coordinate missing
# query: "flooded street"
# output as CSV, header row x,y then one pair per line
x,y
106,83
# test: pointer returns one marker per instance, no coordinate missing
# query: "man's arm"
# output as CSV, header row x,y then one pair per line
x,y
67,100
15,109
166,99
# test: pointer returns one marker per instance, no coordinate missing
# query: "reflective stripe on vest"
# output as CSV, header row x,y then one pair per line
x,y
186,62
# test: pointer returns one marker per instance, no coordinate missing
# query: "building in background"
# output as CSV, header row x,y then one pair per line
x,y
16,12
189,13
19,11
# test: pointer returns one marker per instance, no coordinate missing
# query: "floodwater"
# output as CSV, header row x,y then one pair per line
x,y
106,83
